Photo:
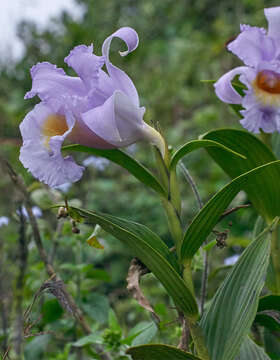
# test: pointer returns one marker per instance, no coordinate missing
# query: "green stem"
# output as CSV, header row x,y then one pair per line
x,y
174,224
175,195
172,204
187,275
198,340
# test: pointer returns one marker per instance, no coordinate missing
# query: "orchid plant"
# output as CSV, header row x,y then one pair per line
x,y
98,112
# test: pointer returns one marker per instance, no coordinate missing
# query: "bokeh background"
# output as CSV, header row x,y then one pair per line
x,y
182,47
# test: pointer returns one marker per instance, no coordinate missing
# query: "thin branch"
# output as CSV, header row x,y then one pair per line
x,y
203,291
3,299
192,183
22,255
19,184
230,211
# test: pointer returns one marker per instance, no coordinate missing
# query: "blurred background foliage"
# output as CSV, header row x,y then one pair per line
x,y
182,43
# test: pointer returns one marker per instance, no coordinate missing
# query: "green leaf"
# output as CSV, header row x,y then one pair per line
x,y
159,352
264,191
51,311
153,252
198,144
113,321
89,339
127,162
145,331
269,302
209,215
251,351
232,311
272,344
269,312
97,307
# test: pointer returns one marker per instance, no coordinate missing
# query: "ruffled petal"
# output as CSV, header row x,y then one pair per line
x,y
50,82
256,118
273,18
252,45
44,160
224,89
86,64
121,81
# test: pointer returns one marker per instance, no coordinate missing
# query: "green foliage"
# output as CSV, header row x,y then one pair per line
x,y
251,351
152,251
225,330
159,352
269,312
263,190
127,162
181,43
197,144
209,215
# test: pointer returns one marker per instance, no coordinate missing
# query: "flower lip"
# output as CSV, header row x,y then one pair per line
x,y
269,81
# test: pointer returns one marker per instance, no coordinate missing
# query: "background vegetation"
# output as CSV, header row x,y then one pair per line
x,y
182,43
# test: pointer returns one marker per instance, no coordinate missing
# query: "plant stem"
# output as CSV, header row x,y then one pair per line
x,y
203,292
19,290
174,224
192,183
172,204
198,340
172,207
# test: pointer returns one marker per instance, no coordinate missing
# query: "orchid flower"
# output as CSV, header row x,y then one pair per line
x,y
97,109
260,51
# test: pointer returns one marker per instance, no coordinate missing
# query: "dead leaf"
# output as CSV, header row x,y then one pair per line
x,y
136,270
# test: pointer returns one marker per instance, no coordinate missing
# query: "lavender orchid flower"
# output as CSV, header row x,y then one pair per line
x,y
260,51
98,109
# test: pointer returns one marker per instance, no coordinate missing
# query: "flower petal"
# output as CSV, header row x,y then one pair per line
x,y
50,82
252,45
116,121
86,64
256,118
224,89
46,163
120,79
273,17
119,122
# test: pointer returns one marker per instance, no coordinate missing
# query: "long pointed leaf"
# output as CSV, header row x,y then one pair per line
x,y
127,162
159,352
152,251
209,215
233,308
251,351
198,144
264,192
